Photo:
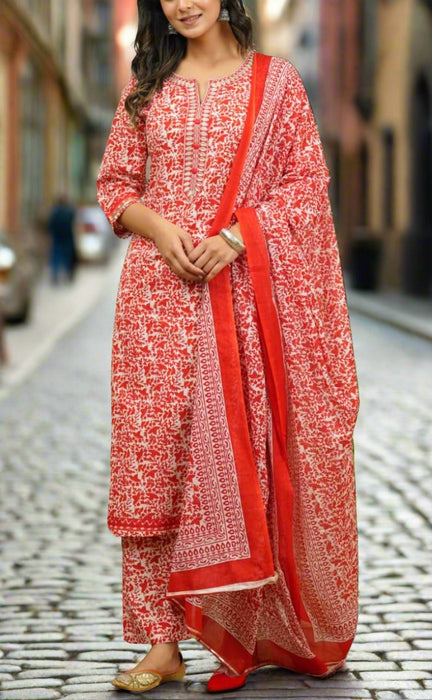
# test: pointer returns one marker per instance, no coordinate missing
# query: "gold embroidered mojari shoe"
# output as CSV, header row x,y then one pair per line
x,y
147,680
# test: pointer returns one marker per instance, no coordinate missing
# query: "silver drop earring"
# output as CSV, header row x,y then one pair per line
x,y
171,30
224,15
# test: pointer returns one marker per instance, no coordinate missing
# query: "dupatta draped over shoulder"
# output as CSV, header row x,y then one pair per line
x,y
265,562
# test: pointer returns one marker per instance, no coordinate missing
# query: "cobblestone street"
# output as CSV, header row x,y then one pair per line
x,y
60,615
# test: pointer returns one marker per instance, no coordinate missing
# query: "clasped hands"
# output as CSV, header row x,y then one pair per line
x,y
199,263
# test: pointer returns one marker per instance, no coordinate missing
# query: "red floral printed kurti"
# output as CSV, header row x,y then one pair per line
x,y
234,403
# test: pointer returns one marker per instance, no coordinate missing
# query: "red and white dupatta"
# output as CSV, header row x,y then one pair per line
x,y
291,561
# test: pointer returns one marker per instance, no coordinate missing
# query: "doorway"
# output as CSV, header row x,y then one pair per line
x,y
417,254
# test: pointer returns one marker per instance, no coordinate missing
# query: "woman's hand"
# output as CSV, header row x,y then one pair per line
x,y
200,264
175,245
212,255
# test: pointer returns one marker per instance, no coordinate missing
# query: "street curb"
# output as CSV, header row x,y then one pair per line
x,y
418,324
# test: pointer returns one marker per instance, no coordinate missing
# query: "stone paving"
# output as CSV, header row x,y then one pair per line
x,y
60,614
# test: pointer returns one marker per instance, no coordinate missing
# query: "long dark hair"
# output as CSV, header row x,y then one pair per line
x,y
158,53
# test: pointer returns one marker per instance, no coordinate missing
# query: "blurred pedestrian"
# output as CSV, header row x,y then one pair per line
x,y
234,387
61,230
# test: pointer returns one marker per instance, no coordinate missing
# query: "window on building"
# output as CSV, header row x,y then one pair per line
x,y
3,137
368,44
364,177
103,14
388,179
334,159
96,55
40,11
33,125
422,156
307,39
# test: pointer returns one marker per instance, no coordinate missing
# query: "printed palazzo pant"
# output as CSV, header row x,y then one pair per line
x,y
148,616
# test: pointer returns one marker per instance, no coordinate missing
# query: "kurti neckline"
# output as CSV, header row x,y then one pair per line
x,y
224,78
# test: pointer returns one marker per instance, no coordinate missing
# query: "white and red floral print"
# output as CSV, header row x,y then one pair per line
x,y
148,616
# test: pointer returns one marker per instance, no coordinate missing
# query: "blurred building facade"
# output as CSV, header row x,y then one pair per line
x,y
125,18
367,66
376,123
57,98
291,29
348,49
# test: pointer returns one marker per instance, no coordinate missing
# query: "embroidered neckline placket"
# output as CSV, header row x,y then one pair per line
x,y
196,137
197,122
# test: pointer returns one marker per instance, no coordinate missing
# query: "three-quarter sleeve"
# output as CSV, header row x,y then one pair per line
x,y
122,175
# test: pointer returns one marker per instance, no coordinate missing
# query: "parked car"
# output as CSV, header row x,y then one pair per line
x,y
94,238
17,283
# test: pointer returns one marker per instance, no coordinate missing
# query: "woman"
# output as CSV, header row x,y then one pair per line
x,y
234,389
